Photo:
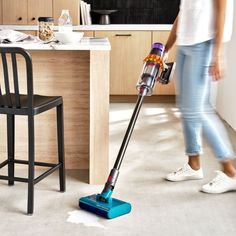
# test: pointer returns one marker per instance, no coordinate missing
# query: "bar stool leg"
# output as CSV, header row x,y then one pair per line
x,y
61,151
31,168
11,147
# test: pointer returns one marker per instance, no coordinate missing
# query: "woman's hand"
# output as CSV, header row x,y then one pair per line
x,y
216,70
165,56
216,66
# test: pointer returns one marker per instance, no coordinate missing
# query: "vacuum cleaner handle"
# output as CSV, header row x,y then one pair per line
x,y
152,69
167,74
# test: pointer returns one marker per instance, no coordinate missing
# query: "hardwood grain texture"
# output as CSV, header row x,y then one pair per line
x,y
38,8
99,116
127,54
0,12
129,48
14,12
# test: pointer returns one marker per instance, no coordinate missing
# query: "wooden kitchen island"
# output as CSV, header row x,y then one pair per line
x,y
79,73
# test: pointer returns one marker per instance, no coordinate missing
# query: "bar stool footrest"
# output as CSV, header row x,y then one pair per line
x,y
53,168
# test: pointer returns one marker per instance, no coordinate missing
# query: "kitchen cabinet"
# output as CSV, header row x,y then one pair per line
x,y
37,8
14,12
25,12
72,5
169,89
0,12
87,33
128,49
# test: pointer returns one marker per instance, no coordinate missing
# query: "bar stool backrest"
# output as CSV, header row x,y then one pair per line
x,y
9,85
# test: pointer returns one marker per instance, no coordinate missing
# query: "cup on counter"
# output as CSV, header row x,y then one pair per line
x,y
45,28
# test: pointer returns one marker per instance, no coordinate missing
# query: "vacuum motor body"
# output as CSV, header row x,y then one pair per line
x,y
154,69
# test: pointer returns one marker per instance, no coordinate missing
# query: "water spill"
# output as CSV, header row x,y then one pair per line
x,y
85,218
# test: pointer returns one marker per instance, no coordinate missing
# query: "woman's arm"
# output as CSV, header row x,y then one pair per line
x,y
172,36
220,11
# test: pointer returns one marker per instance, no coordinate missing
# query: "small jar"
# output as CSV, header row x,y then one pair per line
x,y
45,31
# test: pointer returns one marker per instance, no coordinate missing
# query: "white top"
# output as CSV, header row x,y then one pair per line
x,y
196,21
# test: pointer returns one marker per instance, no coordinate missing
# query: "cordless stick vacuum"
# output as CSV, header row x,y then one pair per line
x,y
154,69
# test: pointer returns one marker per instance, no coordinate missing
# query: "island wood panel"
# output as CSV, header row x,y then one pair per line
x,y
99,111
81,78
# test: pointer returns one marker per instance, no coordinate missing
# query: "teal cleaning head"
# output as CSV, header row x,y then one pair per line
x,y
112,209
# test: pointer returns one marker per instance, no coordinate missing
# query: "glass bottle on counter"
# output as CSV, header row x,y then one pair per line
x,y
65,22
45,30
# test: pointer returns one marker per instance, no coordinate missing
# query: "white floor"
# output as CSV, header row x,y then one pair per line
x,y
159,207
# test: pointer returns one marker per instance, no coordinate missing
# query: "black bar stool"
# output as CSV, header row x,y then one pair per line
x,y
16,103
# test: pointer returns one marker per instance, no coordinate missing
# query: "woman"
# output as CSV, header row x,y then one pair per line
x,y
199,31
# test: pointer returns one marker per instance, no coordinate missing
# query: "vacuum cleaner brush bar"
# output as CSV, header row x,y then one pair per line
x,y
110,210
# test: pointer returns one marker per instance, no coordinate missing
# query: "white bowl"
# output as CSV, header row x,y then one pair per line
x,y
69,37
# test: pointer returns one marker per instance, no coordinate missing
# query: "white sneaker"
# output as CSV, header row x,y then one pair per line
x,y
220,184
185,173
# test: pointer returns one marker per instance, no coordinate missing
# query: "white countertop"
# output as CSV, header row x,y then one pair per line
x,y
97,44
130,27
139,27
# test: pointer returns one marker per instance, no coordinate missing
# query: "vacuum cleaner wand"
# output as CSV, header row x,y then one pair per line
x,y
154,69
113,176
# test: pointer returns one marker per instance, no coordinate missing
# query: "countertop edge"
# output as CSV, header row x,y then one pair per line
x,y
59,47
88,44
123,27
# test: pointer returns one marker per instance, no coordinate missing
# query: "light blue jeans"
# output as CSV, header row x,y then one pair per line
x,y
193,89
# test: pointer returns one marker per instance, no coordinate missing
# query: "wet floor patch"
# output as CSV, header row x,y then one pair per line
x,y
85,218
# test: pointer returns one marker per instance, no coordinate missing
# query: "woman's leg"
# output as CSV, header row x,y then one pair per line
x,y
193,87
187,99
197,112
193,84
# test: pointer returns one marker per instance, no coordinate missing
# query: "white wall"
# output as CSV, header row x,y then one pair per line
x,y
226,89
